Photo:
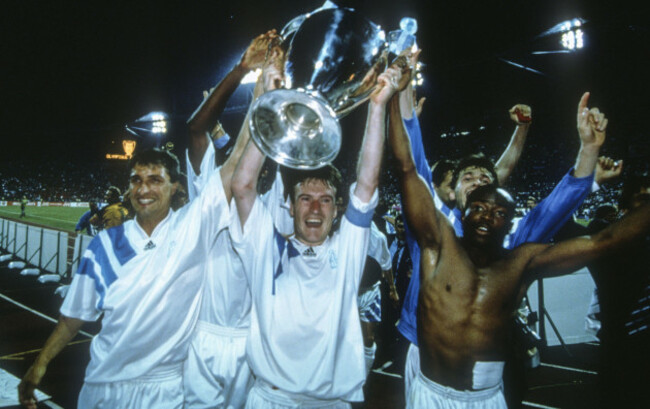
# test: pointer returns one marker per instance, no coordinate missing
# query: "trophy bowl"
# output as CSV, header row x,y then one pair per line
x,y
333,57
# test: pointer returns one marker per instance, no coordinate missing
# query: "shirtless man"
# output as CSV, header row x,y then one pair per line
x,y
470,286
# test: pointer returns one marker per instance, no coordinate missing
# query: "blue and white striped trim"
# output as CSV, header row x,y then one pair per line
x,y
282,243
372,312
121,245
453,215
358,218
103,257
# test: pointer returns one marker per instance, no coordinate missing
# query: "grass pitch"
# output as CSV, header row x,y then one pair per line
x,y
60,218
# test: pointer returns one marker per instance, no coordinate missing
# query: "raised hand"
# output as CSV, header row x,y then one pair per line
x,y
521,114
394,79
419,104
255,54
591,123
607,170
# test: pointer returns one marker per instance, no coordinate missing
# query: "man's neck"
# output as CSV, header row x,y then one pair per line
x,y
482,255
149,225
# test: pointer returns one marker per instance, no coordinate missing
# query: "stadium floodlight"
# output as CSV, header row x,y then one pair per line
x,y
152,123
572,36
563,27
159,127
573,39
418,78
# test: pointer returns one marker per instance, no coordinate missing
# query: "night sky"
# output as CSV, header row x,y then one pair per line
x,y
72,75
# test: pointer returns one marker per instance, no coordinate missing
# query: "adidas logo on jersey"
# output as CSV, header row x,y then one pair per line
x,y
150,245
309,252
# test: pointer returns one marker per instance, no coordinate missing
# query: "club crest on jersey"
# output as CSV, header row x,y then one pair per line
x,y
333,260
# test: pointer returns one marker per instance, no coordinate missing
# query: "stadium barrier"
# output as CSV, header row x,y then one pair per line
x,y
562,303
43,248
45,204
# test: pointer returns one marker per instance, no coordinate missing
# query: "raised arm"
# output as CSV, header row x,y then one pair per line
x,y
566,256
419,208
413,131
591,129
372,146
66,329
244,180
521,115
544,221
206,116
228,168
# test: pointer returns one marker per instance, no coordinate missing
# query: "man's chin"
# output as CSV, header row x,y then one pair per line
x,y
310,240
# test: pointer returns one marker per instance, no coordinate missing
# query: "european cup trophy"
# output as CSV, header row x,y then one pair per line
x,y
333,58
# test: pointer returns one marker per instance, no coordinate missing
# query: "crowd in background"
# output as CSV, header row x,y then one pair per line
x,y
58,180
55,180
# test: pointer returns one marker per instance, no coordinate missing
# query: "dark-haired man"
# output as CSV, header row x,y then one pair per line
x,y
84,225
23,205
539,225
113,214
145,277
216,373
442,175
305,346
470,286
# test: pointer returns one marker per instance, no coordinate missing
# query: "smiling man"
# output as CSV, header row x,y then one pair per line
x,y
313,202
305,345
472,171
539,225
470,286
145,277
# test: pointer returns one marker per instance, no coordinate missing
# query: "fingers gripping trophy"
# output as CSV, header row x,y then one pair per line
x,y
333,58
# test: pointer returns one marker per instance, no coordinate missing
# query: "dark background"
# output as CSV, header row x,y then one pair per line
x,y
73,74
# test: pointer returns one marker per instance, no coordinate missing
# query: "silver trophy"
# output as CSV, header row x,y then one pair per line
x,y
334,56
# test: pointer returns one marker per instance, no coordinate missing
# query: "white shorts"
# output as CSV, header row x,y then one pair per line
x,y
411,367
263,395
164,389
216,374
369,304
426,394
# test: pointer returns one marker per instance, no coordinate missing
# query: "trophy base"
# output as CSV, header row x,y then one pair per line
x,y
295,128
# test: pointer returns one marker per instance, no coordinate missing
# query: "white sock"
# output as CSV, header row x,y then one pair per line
x,y
369,354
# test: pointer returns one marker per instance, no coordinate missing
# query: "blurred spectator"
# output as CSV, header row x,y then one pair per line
x,y
84,225
113,214
23,204
56,180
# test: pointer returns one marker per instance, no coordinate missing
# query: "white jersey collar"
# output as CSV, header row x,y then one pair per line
x,y
143,242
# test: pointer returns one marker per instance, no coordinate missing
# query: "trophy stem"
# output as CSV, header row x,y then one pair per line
x,y
302,119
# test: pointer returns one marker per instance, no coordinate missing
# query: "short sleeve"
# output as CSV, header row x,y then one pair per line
x,y
196,183
251,240
378,248
83,297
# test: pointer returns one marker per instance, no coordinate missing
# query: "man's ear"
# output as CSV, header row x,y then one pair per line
x,y
464,214
291,208
175,187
